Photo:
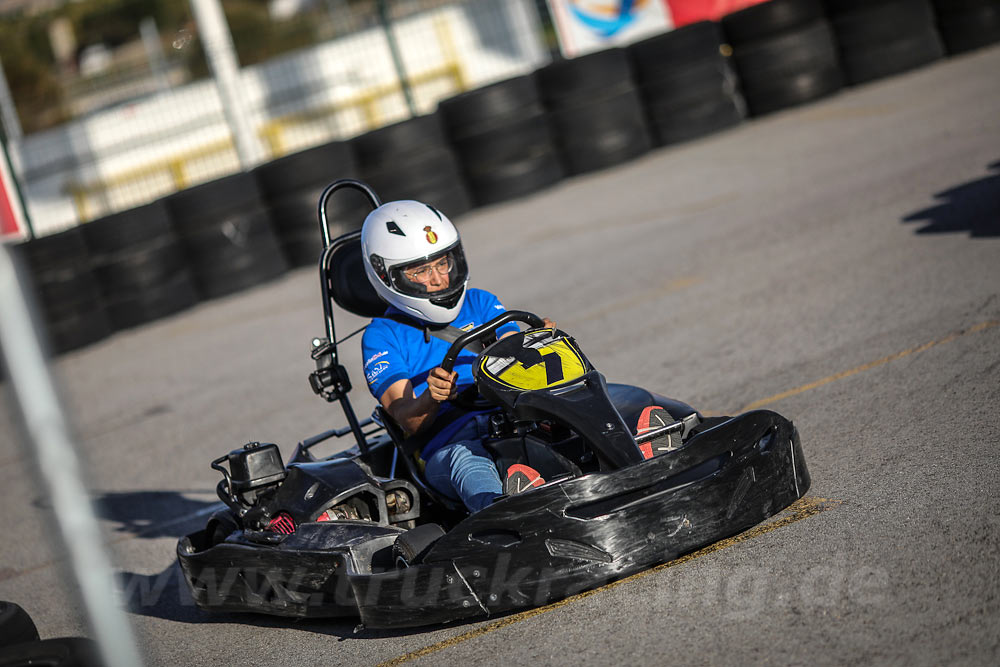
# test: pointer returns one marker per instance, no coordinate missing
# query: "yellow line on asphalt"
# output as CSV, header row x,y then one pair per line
x,y
800,509
982,326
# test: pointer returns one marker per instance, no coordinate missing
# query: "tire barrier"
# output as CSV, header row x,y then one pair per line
x,y
596,116
140,265
226,232
291,187
413,160
501,136
69,295
687,85
879,38
489,145
966,25
785,54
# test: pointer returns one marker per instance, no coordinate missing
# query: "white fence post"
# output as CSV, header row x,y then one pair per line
x,y
221,55
59,469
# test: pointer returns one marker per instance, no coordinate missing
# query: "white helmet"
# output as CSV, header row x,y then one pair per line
x,y
401,234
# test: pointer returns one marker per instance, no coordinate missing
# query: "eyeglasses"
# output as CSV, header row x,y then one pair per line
x,y
423,273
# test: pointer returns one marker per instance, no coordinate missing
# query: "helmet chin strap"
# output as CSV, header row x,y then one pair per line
x,y
450,300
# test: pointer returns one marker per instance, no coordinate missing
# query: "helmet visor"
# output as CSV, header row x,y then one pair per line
x,y
435,277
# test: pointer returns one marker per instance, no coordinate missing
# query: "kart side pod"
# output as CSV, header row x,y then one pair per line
x,y
252,468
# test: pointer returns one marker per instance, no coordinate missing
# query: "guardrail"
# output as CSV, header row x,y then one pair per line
x,y
174,172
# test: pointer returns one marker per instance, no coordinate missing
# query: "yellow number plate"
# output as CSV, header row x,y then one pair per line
x,y
544,361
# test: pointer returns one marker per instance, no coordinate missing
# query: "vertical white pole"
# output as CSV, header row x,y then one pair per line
x,y
59,467
221,55
150,35
525,27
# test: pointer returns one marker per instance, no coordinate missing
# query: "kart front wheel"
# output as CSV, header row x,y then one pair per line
x,y
411,545
220,526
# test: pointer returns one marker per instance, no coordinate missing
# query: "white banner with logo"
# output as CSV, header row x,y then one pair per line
x,y
591,25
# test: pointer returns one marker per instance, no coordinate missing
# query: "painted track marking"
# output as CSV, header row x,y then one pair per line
x,y
802,508
982,326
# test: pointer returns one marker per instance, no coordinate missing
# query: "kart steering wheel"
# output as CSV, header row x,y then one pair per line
x,y
469,398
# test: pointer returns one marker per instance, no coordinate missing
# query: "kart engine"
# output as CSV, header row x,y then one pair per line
x,y
254,469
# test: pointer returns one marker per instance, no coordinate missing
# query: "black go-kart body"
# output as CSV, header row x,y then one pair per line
x,y
361,534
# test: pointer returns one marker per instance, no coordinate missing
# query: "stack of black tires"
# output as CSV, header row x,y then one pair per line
x,y
503,141
785,54
968,24
140,265
226,232
69,296
595,113
291,187
687,84
879,38
413,160
501,136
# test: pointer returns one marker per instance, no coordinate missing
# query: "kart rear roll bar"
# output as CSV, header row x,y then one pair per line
x,y
334,375
324,230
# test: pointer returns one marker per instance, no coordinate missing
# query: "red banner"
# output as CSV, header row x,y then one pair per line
x,y
11,215
692,11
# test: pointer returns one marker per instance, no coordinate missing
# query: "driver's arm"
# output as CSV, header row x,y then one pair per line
x,y
414,413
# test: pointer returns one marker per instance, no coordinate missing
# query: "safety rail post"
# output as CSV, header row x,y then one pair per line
x,y
51,445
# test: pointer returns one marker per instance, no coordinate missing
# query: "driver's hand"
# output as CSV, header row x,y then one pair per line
x,y
441,384
549,323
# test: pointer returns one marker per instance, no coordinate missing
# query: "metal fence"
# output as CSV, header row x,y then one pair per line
x,y
114,127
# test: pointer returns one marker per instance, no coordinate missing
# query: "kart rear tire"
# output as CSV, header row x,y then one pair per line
x,y
16,627
411,546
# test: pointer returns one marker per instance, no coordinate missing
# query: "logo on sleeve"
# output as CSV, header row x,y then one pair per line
x,y
376,370
375,356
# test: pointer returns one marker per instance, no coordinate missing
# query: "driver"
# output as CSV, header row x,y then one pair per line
x,y
413,257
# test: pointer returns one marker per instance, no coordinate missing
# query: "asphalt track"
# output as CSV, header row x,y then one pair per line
x,y
839,263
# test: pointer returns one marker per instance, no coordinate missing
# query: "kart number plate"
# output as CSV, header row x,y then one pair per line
x,y
543,361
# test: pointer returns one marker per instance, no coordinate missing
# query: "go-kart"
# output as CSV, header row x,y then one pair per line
x,y
360,533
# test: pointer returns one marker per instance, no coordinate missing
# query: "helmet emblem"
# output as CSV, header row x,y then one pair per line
x,y
432,238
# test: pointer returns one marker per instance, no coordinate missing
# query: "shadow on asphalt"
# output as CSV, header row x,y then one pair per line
x,y
166,596
153,514
972,207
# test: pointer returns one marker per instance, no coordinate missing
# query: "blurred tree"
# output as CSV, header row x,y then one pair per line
x,y
27,63
38,88
257,37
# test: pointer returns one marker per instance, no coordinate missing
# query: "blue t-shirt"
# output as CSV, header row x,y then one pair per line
x,y
393,351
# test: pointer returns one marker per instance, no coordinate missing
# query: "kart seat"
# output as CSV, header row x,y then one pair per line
x,y
407,449
346,278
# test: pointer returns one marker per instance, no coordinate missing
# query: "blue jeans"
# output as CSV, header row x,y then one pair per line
x,y
463,469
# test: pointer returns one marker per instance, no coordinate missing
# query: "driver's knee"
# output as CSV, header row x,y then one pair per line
x,y
466,470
